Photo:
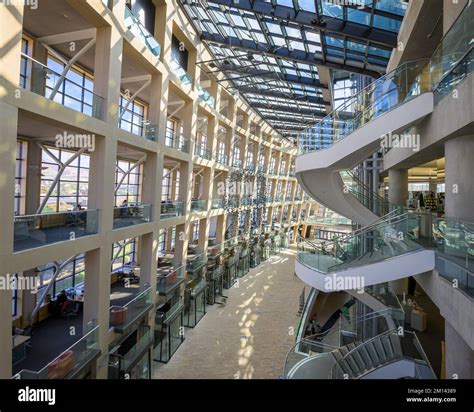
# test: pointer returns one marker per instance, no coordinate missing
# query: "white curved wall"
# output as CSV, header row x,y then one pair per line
x,y
318,172
394,268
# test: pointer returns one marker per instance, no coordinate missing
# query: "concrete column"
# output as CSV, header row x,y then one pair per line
x,y
164,13
181,244
459,356
148,249
33,178
398,186
203,231
220,228
97,300
5,330
11,22
108,69
28,300
8,121
185,187
398,195
459,184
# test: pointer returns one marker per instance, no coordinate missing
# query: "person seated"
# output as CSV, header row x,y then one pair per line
x,y
17,331
62,298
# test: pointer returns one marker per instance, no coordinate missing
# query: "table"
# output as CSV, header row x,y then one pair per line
x,y
19,348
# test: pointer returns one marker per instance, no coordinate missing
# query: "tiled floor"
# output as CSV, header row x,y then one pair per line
x,y
250,336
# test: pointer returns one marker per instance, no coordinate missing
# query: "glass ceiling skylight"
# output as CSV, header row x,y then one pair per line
x,y
270,50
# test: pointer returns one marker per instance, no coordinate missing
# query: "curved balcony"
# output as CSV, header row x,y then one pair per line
x,y
358,128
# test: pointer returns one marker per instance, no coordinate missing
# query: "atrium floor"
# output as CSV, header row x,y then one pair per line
x,y
250,336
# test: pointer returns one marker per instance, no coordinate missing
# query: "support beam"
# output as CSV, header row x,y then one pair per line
x,y
270,11
232,42
68,37
62,168
68,67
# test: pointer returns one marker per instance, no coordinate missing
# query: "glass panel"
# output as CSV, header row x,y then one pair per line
x,y
131,215
70,361
123,316
45,78
33,231
171,209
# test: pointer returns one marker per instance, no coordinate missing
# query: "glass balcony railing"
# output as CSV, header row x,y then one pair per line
x,y
455,76
179,72
401,231
198,287
217,203
144,341
205,96
168,311
365,195
122,317
125,216
446,68
372,244
133,24
137,125
169,278
31,231
194,262
222,158
70,361
403,84
198,205
456,274
329,220
44,81
202,151
171,209
454,47
176,141
237,163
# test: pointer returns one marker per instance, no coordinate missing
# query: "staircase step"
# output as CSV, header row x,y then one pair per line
x,y
397,347
359,360
365,356
372,353
342,363
352,364
380,351
387,347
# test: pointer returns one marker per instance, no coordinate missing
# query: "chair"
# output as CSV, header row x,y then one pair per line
x,y
62,366
69,308
118,315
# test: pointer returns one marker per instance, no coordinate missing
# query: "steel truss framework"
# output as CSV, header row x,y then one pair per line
x,y
271,50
